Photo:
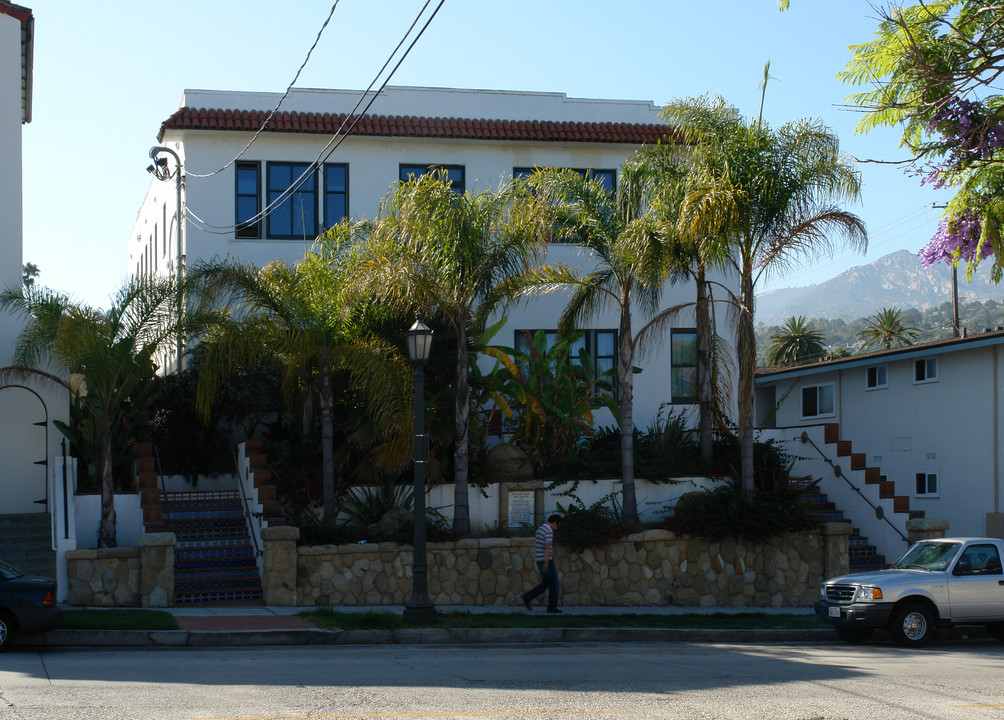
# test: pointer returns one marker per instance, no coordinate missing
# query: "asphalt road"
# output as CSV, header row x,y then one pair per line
x,y
542,682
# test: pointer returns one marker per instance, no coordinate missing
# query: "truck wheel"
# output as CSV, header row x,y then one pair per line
x,y
853,635
911,625
996,630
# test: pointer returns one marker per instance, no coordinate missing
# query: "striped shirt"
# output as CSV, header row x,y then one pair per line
x,y
544,537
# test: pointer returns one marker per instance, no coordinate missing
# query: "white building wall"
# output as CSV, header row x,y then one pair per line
x,y
10,173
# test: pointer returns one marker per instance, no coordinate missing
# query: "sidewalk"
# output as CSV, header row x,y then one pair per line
x,y
250,625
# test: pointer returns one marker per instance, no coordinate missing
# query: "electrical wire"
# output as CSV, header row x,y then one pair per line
x,y
339,136
274,110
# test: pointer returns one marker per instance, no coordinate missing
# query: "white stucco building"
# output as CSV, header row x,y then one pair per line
x,y
478,136
919,429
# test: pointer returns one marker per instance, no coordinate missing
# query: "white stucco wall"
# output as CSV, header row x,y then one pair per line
x,y
950,427
10,172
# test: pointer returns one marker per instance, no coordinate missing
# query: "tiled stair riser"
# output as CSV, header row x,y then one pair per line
x,y
862,556
214,560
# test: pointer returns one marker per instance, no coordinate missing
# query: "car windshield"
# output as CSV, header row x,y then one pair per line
x,y
928,556
7,572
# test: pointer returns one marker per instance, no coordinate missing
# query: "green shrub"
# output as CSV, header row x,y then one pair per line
x,y
595,526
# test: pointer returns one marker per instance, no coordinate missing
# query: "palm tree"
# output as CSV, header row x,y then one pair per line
x,y
773,193
886,329
114,351
626,234
454,257
798,342
293,315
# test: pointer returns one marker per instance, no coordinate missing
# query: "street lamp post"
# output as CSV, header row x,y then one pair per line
x,y
419,609
161,171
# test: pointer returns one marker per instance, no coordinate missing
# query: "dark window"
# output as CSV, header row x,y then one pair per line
x,y
683,373
336,194
600,344
925,370
979,560
248,194
817,400
927,483
454,174
877,377
607,178
293,189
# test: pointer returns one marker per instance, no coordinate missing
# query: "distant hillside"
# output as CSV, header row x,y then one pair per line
x,y
895,280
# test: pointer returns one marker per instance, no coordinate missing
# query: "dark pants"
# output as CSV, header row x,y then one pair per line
x,y
549,582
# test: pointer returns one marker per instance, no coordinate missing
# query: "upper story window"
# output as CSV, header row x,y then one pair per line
x,y
877,377
600,344
248,199
925,370
336,194
607,178
817,401
293,189
926,484
683,372
454,174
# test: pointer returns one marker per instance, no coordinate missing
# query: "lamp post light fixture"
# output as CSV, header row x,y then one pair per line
x,y
419,609
160,170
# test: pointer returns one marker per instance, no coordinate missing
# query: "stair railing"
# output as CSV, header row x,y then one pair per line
x,y
838,472
243,481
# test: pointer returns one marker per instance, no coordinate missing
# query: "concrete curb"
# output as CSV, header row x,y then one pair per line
x,y
410,636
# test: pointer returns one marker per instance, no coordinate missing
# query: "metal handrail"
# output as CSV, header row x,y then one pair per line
x,y
879,510
244,501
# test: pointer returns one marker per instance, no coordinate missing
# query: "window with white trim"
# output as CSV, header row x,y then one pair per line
x,y
926,484
683,370
925,370
876,377
817,401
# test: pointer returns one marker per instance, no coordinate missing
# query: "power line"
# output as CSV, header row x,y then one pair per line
x,y
274,110
339,136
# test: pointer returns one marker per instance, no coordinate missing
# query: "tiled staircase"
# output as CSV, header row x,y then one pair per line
x,y
863,556
214,557
26,543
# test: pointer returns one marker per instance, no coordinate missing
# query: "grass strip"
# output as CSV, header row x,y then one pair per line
x,y
329,619
118,619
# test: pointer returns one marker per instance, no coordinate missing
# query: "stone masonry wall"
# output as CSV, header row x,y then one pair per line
x,y
108,577
649,568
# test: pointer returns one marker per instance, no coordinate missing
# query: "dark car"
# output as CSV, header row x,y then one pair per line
x,y
27,605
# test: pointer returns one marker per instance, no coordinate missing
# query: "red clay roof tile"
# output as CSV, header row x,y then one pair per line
x,y
410,126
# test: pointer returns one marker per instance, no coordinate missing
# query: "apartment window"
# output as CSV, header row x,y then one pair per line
x,y
248,203
926,484
293,189
683,373
877,377
336,194
925,370
454,174
600,344
607,178
817,401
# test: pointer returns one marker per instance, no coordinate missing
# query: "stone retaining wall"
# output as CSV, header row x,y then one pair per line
x,y
123,577
649,568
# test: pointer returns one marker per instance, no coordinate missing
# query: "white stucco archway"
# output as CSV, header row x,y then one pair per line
x,y
24,427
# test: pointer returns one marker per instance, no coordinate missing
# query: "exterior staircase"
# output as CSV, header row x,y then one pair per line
x,y
26,543
863,556
214,559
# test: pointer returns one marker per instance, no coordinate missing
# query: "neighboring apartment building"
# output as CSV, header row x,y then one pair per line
x,y
925,421
478,136
28,439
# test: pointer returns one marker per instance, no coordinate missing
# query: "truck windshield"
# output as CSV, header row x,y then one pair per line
x,y
929,556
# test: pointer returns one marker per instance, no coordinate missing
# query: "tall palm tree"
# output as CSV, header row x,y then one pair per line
x,y
293,315
774,193
631,263
114,351
886,329
456,257
798,342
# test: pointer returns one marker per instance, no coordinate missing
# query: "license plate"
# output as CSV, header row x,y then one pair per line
x,y
834,612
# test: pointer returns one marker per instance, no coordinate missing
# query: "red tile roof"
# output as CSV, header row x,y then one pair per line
x,y
15,11
410,126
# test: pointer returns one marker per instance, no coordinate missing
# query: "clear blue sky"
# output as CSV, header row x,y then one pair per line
x,y
107,74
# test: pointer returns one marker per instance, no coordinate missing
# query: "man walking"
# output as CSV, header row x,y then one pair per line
x,y
546,565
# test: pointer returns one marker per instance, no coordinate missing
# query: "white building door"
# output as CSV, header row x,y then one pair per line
x,y
22,447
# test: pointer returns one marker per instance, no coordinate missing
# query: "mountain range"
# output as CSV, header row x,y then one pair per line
x,y
894,280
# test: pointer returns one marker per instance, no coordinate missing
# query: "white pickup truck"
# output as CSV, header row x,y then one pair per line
x,y
943,582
